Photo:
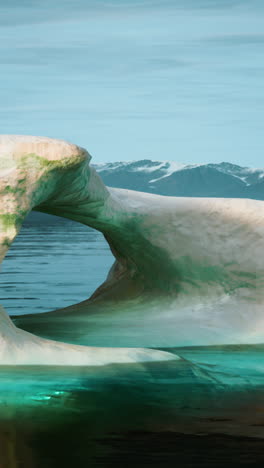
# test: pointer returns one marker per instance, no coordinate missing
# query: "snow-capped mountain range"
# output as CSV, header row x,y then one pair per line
x,y
176,179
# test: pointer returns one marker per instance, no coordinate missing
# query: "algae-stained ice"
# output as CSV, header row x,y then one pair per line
x,y
190,268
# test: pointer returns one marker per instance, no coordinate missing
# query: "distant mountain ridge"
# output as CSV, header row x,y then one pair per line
x,y
175,179
189,180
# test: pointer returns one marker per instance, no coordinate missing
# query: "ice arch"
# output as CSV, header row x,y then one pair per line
x,y
203,255
33,172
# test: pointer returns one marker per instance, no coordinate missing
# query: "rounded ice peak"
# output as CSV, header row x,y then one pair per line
x,y
44,147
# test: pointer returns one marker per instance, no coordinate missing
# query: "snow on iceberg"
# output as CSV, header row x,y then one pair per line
x,y
202,256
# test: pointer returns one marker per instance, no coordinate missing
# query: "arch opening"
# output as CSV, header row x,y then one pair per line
x,y
53,263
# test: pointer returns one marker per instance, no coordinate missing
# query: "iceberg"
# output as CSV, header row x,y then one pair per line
x,y
190,268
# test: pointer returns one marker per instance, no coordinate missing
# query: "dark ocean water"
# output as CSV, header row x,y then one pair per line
x,y
53,266
159,415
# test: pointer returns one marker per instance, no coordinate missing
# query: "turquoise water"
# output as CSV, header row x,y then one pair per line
x,y
157,414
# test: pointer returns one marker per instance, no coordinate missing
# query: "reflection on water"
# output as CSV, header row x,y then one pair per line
x,y
53,266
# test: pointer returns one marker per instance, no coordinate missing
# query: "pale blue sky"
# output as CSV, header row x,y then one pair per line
x,y
175,80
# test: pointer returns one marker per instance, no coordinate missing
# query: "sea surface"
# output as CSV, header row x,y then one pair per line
x,y
51,266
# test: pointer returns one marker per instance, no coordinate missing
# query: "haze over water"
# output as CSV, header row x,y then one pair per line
x,y
174,79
